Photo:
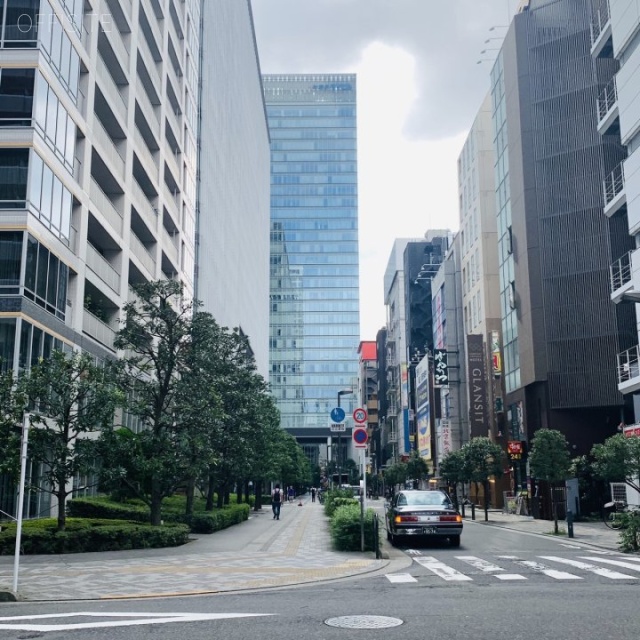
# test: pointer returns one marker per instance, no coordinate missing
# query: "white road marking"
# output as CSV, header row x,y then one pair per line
x,y
441,570
413,552
479,563
510,576
134,619
600,571
570,546
400,577
602,552
617,563
552,573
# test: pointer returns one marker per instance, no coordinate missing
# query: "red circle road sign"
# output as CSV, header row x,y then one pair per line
x,y
360,437
360,415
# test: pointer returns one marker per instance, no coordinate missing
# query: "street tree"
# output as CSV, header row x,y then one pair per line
x,y
618,460
549,460
483,459
417,467
156,334
12,406
452,469
72,397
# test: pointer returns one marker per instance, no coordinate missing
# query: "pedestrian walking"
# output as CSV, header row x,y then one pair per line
x,y
276,502
292,494
313,494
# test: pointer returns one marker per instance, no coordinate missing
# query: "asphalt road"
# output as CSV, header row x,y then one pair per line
x,y
562,591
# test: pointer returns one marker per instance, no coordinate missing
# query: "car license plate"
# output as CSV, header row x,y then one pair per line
x,y
429,530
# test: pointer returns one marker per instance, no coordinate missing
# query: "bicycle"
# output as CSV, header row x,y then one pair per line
x,y
613,514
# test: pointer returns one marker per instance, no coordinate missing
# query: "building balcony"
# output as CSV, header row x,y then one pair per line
x,y
149,112
105,207
608,112
118,46
147,211
623,287
111,91
615,196
629,370
109,151
601,30
169,247
98,330
149,163
141,253
103,269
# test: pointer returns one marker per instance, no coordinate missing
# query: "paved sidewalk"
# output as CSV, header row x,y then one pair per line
x,y
592,533
291,551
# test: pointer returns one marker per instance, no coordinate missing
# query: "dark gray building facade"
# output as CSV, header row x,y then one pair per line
x,y
560,328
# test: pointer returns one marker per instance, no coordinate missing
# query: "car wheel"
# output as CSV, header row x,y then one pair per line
x,y
455,541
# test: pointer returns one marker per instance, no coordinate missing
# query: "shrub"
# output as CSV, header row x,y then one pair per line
x,y
334,495
107,508
345,529
630,531
210,521
41,537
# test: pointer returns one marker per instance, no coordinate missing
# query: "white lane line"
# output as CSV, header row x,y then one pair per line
x,y
400,577
570,546
441,570
604,553
600,571
617,563
552,573
510,576
480,564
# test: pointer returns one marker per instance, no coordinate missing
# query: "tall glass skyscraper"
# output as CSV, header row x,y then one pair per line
x,y
315,323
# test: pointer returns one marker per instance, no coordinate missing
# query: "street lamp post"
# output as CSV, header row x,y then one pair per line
x,y
23,470
342,392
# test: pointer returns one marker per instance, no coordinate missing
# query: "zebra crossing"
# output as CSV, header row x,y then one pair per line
x,y
467,568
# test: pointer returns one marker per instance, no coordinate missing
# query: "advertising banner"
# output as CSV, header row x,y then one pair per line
x,y
424,432
477,386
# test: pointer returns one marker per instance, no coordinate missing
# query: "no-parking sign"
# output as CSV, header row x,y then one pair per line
x,y
360,438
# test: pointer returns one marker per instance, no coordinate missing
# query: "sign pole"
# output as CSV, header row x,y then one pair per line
x,y
23,469
363,497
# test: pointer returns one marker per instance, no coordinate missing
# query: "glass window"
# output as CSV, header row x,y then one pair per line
x,y
35,180
47,188
52,283
41,95
21,23
65,58
56,43
43,268
25,345
13,177
7,342
32,264
52,115
61,131
10,258
63,278
16,96
36,346
56,204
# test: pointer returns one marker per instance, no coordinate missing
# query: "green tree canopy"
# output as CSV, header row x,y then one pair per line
x,y
549,458
618,460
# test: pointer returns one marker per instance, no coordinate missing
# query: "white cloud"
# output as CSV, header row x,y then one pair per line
x,y
406,186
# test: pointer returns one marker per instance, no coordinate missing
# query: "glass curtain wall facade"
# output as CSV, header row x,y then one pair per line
x,y
314,294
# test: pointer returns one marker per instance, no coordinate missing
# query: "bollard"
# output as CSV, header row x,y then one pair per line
x,y
570,523
462,512
473,511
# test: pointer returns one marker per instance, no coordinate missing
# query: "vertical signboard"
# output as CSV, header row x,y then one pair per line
x,y
496,359
477,386
440,368
404,394
423,409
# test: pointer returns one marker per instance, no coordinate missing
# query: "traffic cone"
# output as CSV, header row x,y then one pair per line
x,y
300,502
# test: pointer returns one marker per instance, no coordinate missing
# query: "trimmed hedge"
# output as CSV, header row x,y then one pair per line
x,y
345,528
199,522
83,535
333,502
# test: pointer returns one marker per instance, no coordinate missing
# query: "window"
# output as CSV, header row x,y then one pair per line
x,y
7,342
10,259
20,26
16,97
14,164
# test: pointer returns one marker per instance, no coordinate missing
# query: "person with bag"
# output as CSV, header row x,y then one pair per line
x,y
276,502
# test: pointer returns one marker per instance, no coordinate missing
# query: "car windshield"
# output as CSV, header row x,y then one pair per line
x,y
423,498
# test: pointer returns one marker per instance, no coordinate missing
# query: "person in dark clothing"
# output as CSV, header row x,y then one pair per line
x,y
276,502
313,494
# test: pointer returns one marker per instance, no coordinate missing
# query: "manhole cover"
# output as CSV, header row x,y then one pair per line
x,y
363,622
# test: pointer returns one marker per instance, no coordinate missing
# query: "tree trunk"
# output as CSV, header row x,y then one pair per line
x,y
221,492
486,500
247,492
62,509
156,503
239,492
191,489
257,505
554,509
227,496
211,489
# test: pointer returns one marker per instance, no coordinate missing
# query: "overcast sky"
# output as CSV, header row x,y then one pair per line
x,y
419,88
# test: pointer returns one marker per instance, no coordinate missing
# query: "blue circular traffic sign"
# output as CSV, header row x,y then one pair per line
x,y
360,436
337,414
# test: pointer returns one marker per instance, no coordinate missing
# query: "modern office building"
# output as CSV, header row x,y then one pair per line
x,y
232,276
555,248
99,142
315,318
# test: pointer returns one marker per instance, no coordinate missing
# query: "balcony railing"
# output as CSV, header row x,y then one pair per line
x,y
105,206
170,248
142,253
148,212
621,272
109,148
111,89
152,118
599,20
98,329
607,98
115,38
145,154
628,365
613,184
103,269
